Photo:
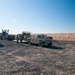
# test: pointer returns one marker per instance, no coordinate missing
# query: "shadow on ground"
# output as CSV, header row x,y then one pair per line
x,y
54,47
49,47
1,45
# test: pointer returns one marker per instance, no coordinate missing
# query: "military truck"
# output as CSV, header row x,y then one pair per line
x,y
41,40
6,36
25,36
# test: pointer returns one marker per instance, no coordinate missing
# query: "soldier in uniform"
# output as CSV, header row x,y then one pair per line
x,y
17,39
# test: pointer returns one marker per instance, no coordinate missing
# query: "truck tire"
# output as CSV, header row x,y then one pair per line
x,y
41,43
29,41
21,40
50,44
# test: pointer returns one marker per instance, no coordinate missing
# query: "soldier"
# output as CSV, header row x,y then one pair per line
x,y
17,39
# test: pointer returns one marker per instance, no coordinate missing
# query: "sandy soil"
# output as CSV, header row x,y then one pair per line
x,y
24,59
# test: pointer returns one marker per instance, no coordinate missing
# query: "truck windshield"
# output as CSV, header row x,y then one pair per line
x,y
42,36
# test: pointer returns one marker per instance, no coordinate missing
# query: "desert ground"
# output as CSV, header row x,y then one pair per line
x,y
24,59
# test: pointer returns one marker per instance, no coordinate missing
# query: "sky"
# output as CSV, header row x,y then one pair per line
x,y
37,16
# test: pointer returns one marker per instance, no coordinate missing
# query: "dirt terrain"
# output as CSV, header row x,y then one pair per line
x,y
24,59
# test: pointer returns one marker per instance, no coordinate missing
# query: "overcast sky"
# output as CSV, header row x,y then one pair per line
x,y
38,16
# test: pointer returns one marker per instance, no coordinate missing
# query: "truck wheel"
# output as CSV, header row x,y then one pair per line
x,y
41,43
50,44
29,42
20,40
